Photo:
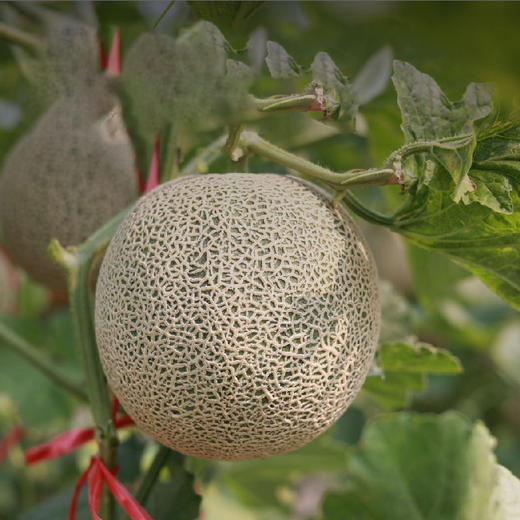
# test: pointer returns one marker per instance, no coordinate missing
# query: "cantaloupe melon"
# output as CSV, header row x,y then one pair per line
x,y
64,179
237,315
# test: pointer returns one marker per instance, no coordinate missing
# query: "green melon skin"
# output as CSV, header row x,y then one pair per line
x,y
64,179
236,315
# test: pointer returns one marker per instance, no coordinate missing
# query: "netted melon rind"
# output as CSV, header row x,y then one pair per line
x,y
63,180
236,315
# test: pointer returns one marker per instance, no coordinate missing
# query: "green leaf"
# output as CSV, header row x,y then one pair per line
x,y
423,467
373,78
254,482
256,48
435,277
427,112
392,390
54,69
477,223
404,366
417,358
325,73
484,241
492,189
429,117
187,83
176,498
280,63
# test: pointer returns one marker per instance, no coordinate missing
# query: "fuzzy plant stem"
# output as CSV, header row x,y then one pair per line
x,y
18,37
77,262
410,149
252,142
357,207
24,349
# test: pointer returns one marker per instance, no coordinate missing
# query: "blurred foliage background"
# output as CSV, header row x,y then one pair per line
x,y
427,296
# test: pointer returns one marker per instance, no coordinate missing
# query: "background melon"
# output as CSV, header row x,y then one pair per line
x,y
64,179
237,315
8,284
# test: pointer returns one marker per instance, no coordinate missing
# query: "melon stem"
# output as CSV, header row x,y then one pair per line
x,y
77,262
252,142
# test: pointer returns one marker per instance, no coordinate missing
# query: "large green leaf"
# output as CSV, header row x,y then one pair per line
x,y
423,467
254,482
428,113
428,116
465,205
186,83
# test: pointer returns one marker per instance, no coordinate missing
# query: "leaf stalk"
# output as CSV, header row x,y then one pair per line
x,y
18,37
252,142
27,351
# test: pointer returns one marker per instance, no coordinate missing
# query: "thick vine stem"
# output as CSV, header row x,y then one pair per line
x,y
252,142
420,147
77,262
232,143
357,207
24,349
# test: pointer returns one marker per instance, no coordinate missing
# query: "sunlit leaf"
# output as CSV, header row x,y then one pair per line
x,y
404,367
416,358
